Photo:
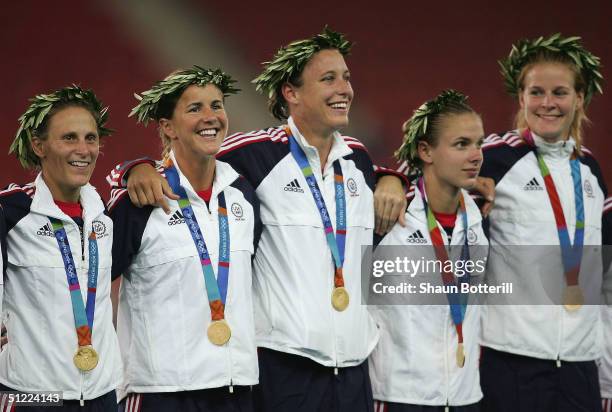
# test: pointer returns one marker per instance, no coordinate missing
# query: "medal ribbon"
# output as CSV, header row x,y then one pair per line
x,y
336,243
216,289
83,314
457,301
571,254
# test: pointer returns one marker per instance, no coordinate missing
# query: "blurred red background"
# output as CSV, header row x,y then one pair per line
x,y
405,53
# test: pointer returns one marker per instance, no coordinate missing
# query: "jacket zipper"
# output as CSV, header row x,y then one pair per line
x,y
229,350
445,351
322,174
560,308
335,339
447,318
81,400
229,356
558,360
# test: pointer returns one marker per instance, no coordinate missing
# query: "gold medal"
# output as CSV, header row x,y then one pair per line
x,y
219,332
340,298
573,298
86,358
460,356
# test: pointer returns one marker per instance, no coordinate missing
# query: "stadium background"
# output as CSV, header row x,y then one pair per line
x,y
405,53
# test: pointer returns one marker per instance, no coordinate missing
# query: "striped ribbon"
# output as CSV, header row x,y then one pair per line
x,y
571,254
216,288
336,243
83,314
457,301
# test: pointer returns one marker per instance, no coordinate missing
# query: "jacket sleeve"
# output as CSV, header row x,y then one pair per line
x,y
129,223
381,171
3,256
117,177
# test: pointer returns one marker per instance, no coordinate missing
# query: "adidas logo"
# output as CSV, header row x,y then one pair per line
x,y
176,219
46,230
417,237
294,186
533,185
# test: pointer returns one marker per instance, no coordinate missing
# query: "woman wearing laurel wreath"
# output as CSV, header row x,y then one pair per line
x,y
427,357
185,314
549,191
57,305
316,188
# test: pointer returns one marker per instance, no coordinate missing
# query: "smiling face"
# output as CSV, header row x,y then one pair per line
x,y
456,155
549,100
68,152
323,99
198,124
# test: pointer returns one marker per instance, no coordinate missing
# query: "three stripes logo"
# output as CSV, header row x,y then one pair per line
x,y
46,230
176,218
293,186
417,237
533,185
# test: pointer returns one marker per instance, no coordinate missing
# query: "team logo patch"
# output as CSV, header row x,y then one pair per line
x,y
176,219
416,237
237,211
471,236
46,230
352,187
533,185
588,189
293,186
99,229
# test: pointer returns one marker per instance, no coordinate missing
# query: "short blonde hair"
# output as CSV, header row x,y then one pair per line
x,y
580,118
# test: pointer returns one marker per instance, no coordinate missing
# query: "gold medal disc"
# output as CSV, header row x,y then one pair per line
x,y
219,332
340,299
86,358
573,298
460,356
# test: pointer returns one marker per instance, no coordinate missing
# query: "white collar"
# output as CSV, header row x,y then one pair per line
x,y
43,203
339,147
416,209
224,176
561,149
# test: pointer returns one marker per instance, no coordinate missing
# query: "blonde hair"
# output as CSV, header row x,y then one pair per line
x,y
580,118
166,144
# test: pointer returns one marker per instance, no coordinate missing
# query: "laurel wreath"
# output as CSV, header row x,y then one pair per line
x,y
291,59
416,127
40,107
526,49
148,100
